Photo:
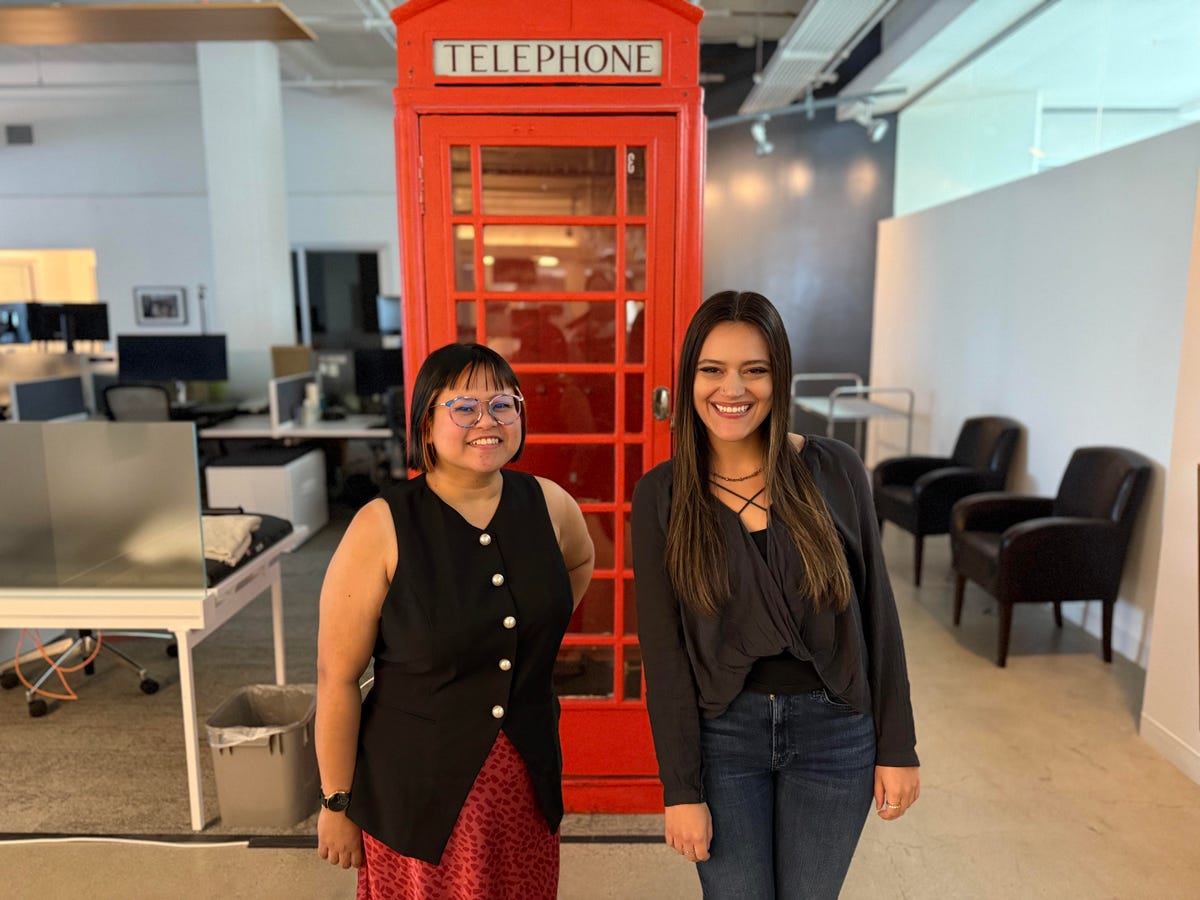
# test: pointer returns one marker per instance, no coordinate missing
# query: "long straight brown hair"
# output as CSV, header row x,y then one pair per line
x,y
696,556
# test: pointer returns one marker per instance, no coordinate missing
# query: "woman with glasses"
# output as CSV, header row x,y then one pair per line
x,y
775,672
446,780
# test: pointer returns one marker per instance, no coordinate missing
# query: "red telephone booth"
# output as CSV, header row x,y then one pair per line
x,y
550,159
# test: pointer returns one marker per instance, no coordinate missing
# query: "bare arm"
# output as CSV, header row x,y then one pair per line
x,y
356,583
573,538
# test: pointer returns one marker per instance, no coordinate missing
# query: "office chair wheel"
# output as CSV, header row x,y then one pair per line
x,y
149,686
89,669
37,708
9,680
173,650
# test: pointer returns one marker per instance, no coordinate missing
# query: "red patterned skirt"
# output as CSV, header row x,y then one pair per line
x,y
500,848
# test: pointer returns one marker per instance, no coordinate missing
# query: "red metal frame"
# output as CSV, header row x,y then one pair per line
x,y
608,753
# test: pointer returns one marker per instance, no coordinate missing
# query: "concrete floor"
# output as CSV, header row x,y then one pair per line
x,y
1035,784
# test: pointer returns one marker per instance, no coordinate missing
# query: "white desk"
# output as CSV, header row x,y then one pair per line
x,y
353,427
850,403
191,615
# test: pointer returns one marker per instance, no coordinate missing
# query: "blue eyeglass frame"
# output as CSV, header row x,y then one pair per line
x,y
491,412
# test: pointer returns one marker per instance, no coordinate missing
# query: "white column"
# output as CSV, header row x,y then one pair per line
x,y
250,299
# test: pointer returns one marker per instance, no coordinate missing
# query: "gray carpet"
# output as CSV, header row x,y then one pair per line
x,y
112,762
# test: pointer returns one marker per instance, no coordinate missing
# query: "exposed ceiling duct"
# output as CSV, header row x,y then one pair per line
x,y
823,34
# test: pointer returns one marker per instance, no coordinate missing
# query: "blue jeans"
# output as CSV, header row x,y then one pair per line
x,y
789,780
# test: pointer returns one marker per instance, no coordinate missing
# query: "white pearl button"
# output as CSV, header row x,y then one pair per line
x,y
505,665
510,622
485,539
497,579
497,712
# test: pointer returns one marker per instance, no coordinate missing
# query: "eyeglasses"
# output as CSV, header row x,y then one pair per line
x,y
467,412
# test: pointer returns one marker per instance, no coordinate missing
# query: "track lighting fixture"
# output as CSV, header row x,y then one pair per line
x,y
758,131
876,128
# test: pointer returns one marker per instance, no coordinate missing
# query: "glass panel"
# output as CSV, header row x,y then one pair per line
x,y
547,332
464,257
633,468
550,257
595,612
635,181
635,258
571,403
635,331
633,673
460,178
636,402
465,315
584,672
629,602
102,505
548,181
587,471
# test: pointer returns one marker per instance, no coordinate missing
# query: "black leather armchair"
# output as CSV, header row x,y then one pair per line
x,y
1042,549
918,492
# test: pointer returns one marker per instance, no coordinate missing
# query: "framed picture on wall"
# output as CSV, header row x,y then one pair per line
x,y
160,305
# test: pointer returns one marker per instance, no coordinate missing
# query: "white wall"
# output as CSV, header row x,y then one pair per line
x,y
1169,709
1057,300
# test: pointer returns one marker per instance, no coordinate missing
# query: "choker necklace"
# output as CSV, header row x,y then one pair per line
x,y
757,471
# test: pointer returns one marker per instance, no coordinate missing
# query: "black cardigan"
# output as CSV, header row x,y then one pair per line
x,y
695,665
428,723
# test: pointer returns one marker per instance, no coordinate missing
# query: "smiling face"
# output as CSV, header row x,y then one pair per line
x,y
732,385
484,447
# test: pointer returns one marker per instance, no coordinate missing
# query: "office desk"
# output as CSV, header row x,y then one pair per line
x,y
191,615
353,427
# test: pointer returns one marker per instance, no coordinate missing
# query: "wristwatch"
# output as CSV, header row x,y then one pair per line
x,y
336,802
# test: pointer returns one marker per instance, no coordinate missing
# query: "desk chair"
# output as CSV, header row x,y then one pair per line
x,y
82,646
137,403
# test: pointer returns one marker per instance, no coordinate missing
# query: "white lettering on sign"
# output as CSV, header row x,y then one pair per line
x,y
505,59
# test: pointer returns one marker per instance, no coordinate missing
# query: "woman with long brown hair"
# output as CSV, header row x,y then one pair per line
x,y
775,673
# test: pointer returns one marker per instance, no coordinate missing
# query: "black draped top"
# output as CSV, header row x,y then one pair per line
x,y
696,665
468,635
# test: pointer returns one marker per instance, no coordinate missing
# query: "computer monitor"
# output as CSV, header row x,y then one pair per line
x,y
377,370
178,358
48,400
387,311
69,322
14,323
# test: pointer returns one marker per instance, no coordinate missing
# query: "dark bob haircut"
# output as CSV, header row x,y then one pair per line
x,y
443,369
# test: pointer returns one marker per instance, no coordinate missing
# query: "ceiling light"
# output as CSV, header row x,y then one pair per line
x,y
876,128
547,262
758,131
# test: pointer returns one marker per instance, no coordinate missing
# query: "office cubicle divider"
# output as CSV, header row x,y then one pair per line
x,y
102,505
48,400
285,396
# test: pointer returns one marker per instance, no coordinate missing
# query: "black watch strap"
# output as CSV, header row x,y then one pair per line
x,y
336,802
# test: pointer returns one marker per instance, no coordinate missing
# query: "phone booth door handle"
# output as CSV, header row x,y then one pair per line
x,y
660,405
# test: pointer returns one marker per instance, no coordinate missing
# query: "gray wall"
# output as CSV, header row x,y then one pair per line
x,y
799,226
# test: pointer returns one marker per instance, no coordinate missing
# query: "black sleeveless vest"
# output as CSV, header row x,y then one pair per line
x,y
462,602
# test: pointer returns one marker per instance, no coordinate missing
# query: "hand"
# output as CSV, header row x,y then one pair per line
x,y
339,840
689,830
896,789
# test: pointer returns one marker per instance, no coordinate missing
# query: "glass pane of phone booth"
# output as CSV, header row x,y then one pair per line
x,y
551,273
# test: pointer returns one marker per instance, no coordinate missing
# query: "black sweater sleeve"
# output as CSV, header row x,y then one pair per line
x,y
671,696
887,670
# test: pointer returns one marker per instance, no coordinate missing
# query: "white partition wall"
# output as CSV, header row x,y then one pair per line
x,y
1058,301
1171,707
